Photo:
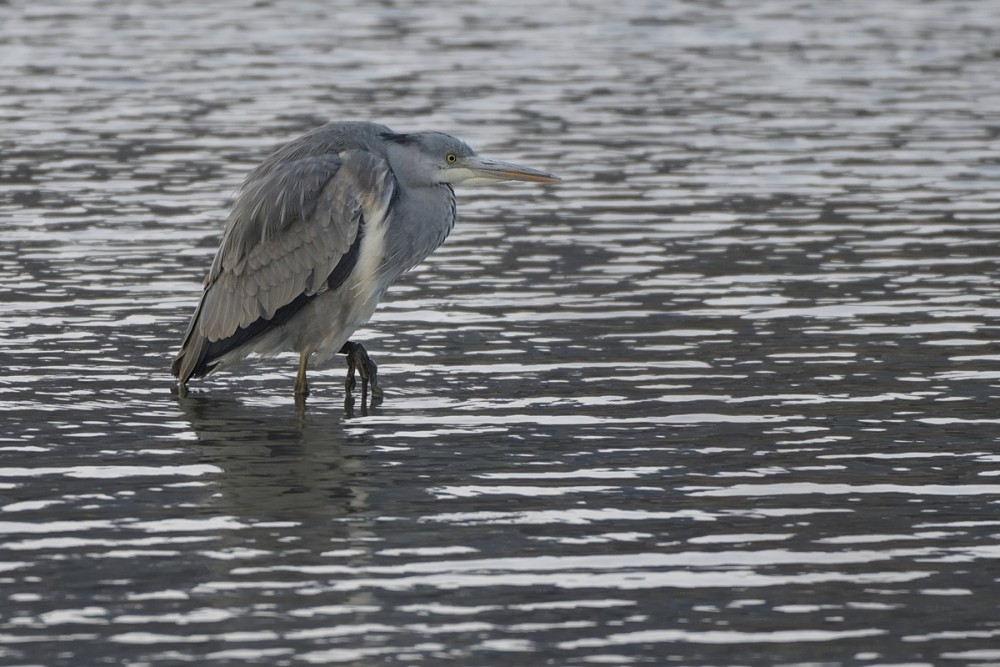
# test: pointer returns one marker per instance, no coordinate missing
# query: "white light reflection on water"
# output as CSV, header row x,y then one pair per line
x,y
723,637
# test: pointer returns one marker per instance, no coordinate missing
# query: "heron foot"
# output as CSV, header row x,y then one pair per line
x,y
358,359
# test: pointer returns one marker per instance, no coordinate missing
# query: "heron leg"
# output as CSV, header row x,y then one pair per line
x,y
301,385
358,359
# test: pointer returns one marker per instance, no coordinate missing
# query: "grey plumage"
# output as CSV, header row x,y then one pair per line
x,y
318,232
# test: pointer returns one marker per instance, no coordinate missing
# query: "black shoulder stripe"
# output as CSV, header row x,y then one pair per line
x,y
347,263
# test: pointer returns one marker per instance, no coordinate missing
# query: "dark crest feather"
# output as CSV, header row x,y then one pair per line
x,y
396,138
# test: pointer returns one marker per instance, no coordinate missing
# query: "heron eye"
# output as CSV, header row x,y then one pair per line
x,y
451,158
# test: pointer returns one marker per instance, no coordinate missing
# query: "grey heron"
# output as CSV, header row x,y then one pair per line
x,y
317,234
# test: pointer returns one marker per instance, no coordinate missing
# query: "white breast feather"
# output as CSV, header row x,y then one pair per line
x,y
367,284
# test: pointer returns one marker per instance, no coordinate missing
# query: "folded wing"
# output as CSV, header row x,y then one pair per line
x,y
293,232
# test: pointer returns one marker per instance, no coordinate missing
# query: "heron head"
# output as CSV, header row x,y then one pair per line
x,y
449,160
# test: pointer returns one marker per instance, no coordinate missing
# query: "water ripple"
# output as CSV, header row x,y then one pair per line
x,y
724,395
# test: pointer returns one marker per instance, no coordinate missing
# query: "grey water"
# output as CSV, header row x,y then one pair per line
x,y
727,395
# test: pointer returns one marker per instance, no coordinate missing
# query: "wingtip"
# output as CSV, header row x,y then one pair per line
x,y
175,367
190,361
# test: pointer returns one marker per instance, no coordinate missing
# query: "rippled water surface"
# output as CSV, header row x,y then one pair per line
x,y
726,395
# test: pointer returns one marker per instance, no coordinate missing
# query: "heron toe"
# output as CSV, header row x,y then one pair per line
x,y
358,359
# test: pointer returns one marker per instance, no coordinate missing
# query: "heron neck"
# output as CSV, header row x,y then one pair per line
x,y
420,221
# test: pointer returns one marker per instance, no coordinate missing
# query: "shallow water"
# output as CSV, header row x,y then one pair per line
x,y
726,395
